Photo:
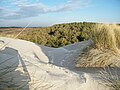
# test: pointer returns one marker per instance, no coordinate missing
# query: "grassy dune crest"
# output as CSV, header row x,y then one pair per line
x,y
105,37
105,51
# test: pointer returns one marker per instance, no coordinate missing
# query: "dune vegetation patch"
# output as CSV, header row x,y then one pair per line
x,y
105,50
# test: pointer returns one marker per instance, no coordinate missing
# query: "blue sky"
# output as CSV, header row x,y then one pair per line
x,y
49,12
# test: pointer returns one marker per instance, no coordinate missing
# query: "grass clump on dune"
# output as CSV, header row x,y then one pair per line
x,y
117,35
105,50
104,37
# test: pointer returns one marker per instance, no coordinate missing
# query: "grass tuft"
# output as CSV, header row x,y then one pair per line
x,y
105,51
105,36
110,78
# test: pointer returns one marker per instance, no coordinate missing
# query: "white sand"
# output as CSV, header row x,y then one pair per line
x,y
34,67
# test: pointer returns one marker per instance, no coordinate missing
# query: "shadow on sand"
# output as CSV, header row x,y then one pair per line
x,y
13,71
51,53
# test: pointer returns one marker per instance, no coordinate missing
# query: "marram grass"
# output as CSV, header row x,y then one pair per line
x,y
110,78
105,36
105,50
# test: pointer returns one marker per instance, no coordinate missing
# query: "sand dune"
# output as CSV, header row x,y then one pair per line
x,y
34,67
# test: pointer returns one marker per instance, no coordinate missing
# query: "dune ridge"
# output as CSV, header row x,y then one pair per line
x,y
35,67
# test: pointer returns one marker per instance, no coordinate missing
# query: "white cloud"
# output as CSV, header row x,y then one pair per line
x,y
26,9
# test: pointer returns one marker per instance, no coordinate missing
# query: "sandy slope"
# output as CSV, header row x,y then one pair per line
x,y
43,68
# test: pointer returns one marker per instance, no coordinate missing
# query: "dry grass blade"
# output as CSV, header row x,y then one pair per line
x,y
16,35
110,78
22,30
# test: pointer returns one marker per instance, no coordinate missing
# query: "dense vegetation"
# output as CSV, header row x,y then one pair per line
x,y
55,36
